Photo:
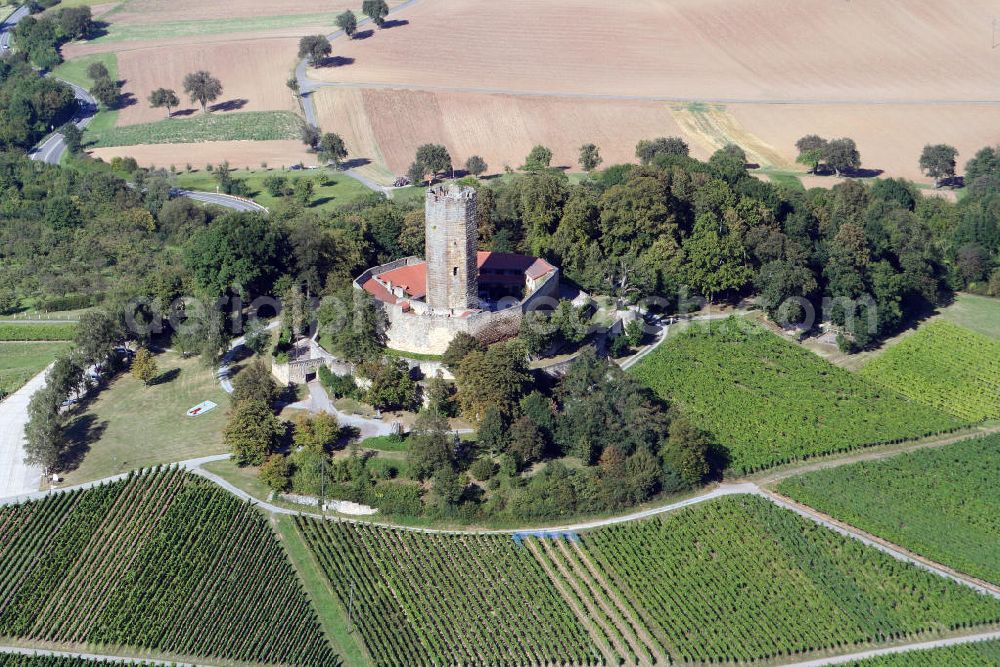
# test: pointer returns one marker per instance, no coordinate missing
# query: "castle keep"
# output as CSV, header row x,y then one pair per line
x,y
450,249
456,288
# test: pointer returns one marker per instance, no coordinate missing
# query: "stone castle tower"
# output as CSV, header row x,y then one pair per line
x,y
450,248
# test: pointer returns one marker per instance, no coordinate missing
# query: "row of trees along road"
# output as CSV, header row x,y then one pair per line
x,y
317,48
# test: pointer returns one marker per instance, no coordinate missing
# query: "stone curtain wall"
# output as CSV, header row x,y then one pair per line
x,y
450,248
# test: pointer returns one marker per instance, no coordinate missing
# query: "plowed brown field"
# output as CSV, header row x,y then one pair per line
x,y
497,77
239,154
387,126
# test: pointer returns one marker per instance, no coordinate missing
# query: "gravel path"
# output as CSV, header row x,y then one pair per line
x,y
16,477
97,657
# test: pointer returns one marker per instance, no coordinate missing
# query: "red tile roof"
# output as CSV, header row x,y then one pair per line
x,y
413,277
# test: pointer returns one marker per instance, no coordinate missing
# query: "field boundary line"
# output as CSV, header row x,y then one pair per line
x,y
766,478
885,546
98,657
902,648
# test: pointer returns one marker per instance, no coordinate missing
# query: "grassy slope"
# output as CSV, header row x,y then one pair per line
x,y
941,503
945,366
75,71
26,331
331,189
979,313
130,426
19,362
331,614
229,126
769,401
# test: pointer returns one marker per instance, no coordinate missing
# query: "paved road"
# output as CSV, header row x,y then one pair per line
x,y
190,465
228,201
53,147
907,648
319,401
7,27
16,477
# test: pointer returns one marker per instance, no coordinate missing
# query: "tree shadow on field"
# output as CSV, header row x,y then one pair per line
x,y
395,23
81,433
181,113
165,377
354,163
364,34
229,105
126,100
335,61
98,29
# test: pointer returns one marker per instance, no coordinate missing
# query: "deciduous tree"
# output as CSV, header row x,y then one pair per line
x,y
253,432
332,149
376,10
144,366
203,88
590,157
315,49
475,165
164,98
347,22
938,162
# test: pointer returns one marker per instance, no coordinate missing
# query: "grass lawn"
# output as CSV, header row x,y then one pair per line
x,y
781,177
979,313
75,71
128,425
332,616
331,189
19,362
230,126
166,29
38,331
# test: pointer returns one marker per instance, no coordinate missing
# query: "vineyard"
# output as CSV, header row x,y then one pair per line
x,y
738,579
946,366
769,402
18,660
163,561
978,654
422,599
951,516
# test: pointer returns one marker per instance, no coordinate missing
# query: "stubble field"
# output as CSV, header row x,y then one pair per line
x,y
471,74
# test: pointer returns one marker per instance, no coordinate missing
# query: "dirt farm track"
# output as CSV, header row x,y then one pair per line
x,y
495,78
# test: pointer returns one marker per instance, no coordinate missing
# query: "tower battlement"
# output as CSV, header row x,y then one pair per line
x,y
450,248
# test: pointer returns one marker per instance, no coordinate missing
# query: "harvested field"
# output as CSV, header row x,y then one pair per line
x,y
386,126
616,64
240,154
253,77
889,137
695,49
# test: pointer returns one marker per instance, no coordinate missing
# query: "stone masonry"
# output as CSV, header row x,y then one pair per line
x,y
452,273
